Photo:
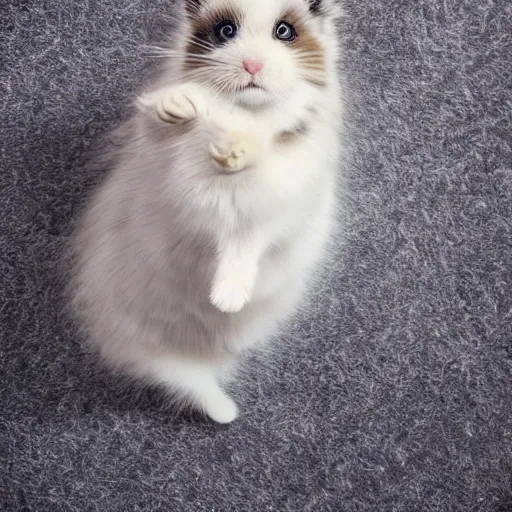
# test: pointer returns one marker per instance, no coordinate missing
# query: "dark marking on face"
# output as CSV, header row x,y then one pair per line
x,y
309,52
202,38
315,6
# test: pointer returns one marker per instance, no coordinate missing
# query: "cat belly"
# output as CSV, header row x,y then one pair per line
x,y
285,274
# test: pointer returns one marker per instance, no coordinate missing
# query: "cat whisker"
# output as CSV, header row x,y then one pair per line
x,y
316,69
204,57
312,60
204,63
157,51
309,58
308,52
190,57
200,43
192,37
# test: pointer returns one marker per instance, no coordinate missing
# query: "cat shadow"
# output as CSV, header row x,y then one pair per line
x,y
98,390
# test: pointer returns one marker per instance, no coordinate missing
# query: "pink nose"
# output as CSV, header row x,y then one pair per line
x,y
253,66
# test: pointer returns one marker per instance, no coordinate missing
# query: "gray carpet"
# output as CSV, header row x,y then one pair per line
x,y
393,394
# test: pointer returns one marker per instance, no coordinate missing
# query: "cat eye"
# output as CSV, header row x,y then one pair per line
x,y
225,30
285,32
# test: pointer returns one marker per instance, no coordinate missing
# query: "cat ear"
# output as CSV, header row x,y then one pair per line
x,y
193,6
315,6
325,8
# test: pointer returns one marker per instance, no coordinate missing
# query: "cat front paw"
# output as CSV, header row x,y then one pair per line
x,y
230,294
177,106
235,151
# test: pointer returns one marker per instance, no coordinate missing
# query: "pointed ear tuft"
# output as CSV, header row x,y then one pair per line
x,y
315,6
192,6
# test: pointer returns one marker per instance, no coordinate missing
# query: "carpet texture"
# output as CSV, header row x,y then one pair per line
x,y
393,394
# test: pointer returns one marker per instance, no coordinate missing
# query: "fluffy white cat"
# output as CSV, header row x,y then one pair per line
x,y
221,197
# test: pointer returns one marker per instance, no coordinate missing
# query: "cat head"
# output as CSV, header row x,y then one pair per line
x,y
260,52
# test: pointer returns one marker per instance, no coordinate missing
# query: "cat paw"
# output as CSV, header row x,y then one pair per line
x,y
221,409
177,107
230,294
236,151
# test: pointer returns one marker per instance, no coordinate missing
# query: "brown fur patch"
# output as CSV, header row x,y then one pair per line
x,y
290,136
202,40
310,52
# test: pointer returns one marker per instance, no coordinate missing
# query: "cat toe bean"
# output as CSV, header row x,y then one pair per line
x,y
236,151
